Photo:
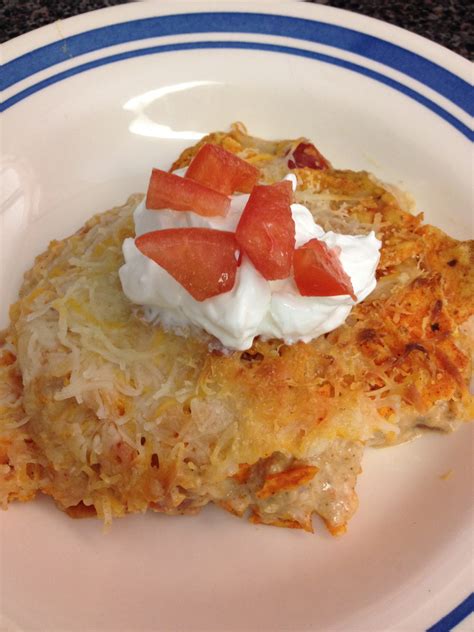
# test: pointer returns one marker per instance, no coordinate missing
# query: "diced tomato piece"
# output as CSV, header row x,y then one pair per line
x,y
306,155
318,271
266,230
203,260
222,171
167,190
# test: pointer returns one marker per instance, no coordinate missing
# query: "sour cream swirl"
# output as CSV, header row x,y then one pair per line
x,y
255,306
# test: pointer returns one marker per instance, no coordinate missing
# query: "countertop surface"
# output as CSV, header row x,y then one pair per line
x,y
447,22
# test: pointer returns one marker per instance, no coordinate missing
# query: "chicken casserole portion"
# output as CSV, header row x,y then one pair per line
x,y
110,415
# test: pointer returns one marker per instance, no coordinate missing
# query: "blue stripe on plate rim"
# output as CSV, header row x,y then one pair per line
x,y
411,64
453,618
166,48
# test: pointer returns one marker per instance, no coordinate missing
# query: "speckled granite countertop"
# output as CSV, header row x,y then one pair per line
x,y
447,22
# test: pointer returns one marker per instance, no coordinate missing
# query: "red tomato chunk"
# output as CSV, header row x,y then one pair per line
x,y
204,261
167,190
306,155
266,230
222,171
318,271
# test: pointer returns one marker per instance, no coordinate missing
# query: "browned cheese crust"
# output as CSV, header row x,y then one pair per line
x,y
109,415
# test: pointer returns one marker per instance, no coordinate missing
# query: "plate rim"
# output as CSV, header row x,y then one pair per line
x,y
25,40
448,84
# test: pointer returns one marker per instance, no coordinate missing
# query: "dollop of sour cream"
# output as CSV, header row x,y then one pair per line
x,y
255,306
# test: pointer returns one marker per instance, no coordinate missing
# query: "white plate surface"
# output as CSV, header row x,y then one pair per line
x,y
85,119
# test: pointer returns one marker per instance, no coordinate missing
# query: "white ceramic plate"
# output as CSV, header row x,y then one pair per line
x,y
91,104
